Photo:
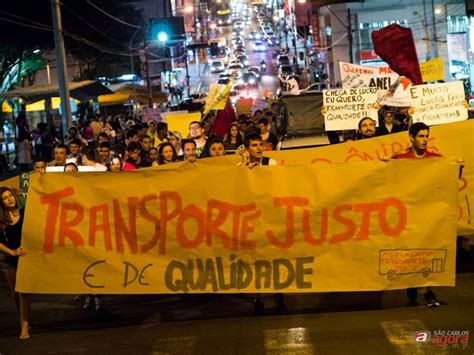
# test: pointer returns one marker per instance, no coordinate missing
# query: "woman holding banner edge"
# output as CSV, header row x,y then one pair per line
x,y
11,221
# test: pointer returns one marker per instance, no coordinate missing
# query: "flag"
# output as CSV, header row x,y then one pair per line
x,y
395,45
217,97
223,119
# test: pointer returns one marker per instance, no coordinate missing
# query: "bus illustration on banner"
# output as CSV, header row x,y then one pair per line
x,y
395,262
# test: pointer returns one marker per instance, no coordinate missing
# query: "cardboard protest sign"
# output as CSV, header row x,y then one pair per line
x,y
433,69
147,232
354,76
344,108
452,140
244,106
439,103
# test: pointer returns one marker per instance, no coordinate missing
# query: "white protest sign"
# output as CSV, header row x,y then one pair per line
x,y
439,103
354,76
344,108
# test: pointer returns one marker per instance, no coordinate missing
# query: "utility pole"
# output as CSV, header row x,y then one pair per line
x,y
60,52
148,79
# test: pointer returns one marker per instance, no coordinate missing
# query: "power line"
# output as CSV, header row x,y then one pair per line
x,y
66,33
111,16
91,25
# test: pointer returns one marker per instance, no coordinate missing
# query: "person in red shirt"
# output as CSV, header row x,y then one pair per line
x,y
419,134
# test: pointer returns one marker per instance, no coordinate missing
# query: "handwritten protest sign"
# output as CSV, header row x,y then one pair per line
x,y
439,103
433,69
126,233
343,108
354,76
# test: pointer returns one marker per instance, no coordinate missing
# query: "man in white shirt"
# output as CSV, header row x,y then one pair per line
x,y
88,159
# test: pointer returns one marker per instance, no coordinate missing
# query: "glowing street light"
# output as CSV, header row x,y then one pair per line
x,y
162,36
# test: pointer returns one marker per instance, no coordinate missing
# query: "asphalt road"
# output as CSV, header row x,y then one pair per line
x,y
269,80
327,323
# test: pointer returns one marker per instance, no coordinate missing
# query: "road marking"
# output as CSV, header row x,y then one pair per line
x,y
401,334
289,340
80,350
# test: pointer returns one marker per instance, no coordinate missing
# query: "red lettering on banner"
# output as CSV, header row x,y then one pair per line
x,y
53,210
103,227
166,217
288,202
210,222
306,226
194,212
150,218
349,223
65,226
366,209
402,216
122,230
213,225
247,228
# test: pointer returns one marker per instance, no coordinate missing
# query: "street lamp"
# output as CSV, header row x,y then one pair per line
x,y
162,37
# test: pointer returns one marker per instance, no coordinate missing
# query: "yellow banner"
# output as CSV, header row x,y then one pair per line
x,y
453,140
341,227
433,69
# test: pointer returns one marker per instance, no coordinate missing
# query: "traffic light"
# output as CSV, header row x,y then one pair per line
x,y
166,29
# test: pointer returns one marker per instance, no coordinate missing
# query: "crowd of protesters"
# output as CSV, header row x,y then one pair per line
x,y
126,143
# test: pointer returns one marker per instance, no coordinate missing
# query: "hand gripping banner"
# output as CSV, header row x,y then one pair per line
x,y
200,228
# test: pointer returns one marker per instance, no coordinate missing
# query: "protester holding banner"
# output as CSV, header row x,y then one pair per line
x,y
419,133
189,150
115,163
367,128
89,159
135,160
252,155
39,164
11,221
215,148
60,155
166,154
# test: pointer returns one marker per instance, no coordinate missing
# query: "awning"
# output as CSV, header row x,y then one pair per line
x,y
126,92
82,91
